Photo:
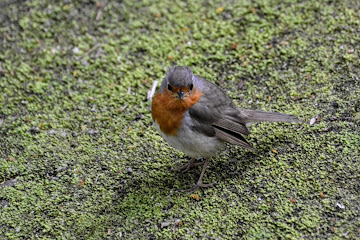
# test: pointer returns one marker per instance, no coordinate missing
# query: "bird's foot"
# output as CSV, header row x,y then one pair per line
x,y
186,167
198,185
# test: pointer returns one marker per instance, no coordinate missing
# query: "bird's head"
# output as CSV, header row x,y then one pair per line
x,y
179,81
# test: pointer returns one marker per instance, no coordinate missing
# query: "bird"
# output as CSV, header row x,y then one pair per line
x,y
195,116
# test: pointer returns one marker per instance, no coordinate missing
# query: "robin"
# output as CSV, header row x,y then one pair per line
x,y
196,117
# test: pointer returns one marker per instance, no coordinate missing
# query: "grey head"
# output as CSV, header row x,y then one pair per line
x,y
178,76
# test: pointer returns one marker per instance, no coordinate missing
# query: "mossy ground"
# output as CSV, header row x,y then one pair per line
x,y
80,159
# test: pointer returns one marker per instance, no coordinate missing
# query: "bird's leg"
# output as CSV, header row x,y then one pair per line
x,y
199,184
186,167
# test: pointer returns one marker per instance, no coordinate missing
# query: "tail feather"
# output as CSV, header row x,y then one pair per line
x,y
262,116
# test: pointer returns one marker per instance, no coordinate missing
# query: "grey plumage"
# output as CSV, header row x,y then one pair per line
x,y
231,126
216,115
262,116
233,138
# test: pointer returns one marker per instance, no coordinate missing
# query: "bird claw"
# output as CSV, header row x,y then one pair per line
x,y
197,186
185,168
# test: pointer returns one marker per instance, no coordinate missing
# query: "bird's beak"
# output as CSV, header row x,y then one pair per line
x,y
181,94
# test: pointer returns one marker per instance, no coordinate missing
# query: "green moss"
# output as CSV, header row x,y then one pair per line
x,y
79,155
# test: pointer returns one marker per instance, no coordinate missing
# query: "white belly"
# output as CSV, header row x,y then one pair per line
x,y
192,143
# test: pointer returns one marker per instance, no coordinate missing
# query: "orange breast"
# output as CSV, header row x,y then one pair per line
x,y
168,111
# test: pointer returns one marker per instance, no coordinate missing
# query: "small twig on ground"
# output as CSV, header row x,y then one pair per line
x,y
90,50
101,6
124,107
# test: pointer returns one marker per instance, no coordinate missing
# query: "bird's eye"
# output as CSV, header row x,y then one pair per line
x,y
169,87
191,86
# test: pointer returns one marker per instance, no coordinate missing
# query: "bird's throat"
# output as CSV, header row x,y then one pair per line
x,y
168,111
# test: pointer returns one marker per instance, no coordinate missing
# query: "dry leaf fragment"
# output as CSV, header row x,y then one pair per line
x,y
219,10
274,151
195,196
130,147
66,7
81,183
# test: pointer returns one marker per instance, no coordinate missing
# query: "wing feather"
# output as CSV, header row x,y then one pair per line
x,y
232,126
232,137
